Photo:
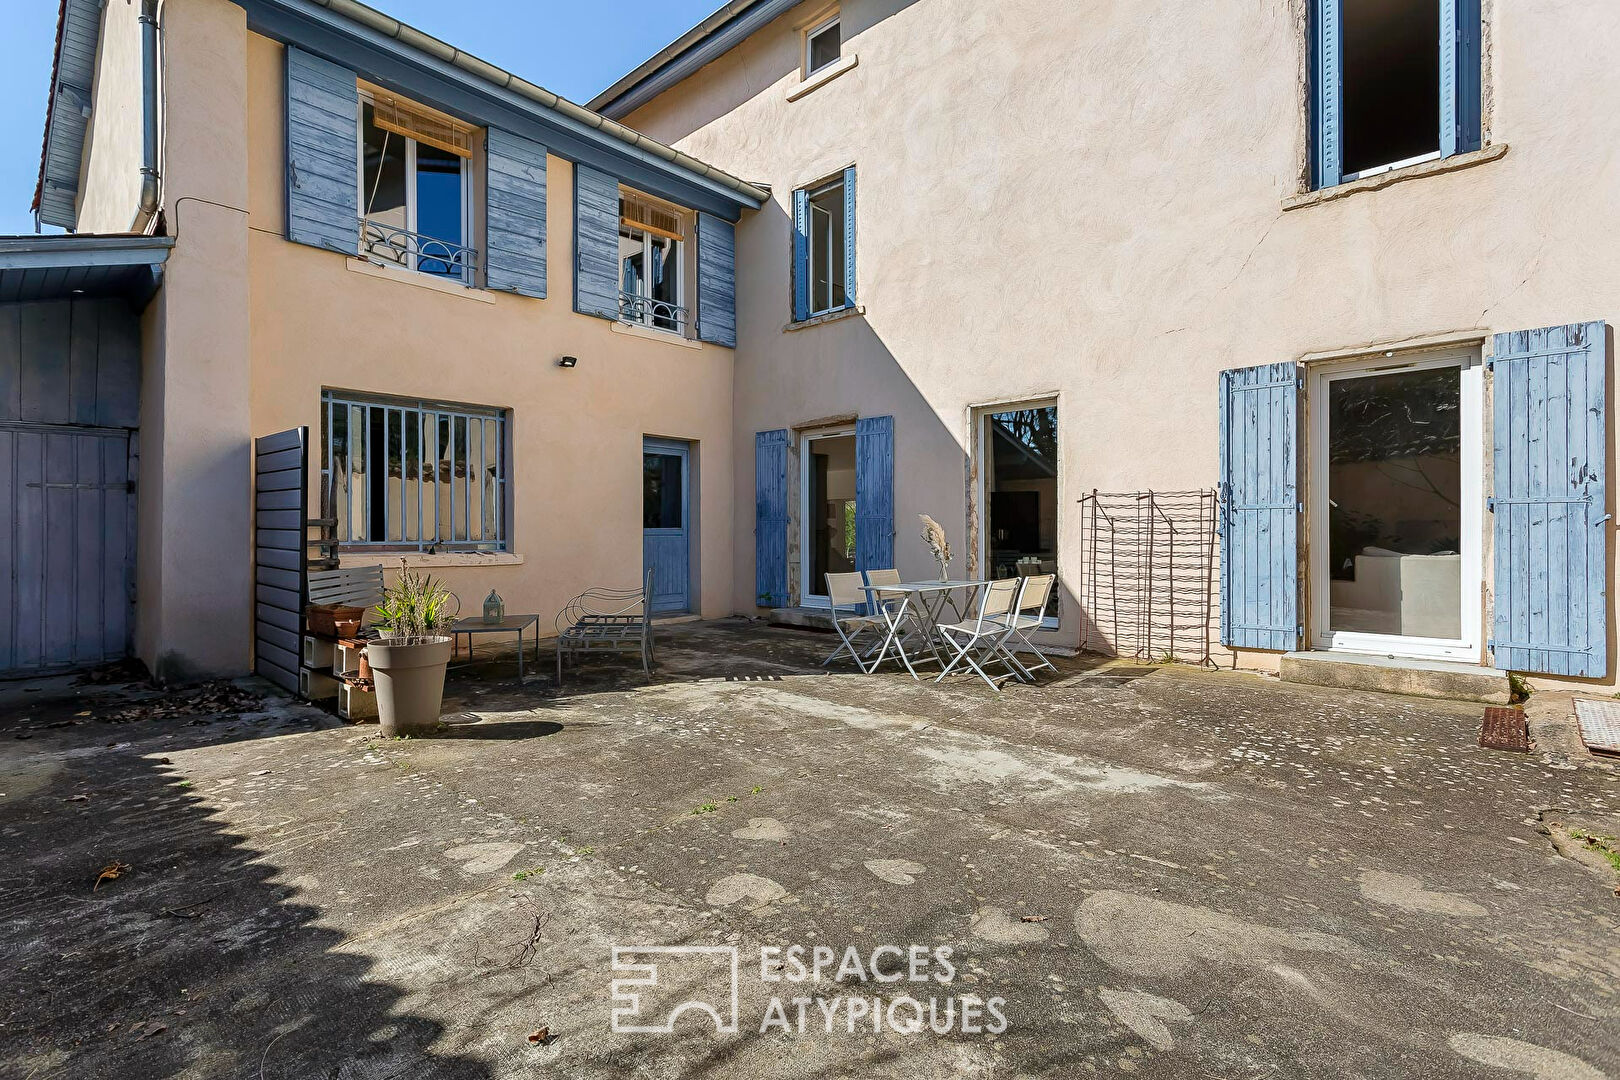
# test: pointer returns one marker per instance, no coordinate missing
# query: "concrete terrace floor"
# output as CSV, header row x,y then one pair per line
x,y
1226,878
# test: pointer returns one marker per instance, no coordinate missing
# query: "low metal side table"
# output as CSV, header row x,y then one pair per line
x,y
510,624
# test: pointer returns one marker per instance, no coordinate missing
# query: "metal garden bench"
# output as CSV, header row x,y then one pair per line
x,y
607,620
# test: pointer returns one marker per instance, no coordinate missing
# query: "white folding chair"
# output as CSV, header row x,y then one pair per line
x,y
1025,618
900,620
979,641
849,618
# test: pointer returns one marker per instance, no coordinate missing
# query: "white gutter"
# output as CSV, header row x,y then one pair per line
x,y
409,35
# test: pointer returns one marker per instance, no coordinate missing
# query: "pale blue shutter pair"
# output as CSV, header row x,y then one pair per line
x,y
323,178
801,248
1550,503
874,507
597,267
1460,65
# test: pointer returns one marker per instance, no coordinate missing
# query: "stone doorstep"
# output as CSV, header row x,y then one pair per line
x,y
1398,675
802,618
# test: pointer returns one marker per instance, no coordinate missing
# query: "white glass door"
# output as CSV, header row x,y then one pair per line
x,y
1396,506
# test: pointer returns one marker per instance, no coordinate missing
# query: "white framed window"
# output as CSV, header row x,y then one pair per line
x,y
416,206
823,45
828,288
652,263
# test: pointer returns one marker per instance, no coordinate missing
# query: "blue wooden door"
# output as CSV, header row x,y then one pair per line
x,y
1259,520
666,523
1550,467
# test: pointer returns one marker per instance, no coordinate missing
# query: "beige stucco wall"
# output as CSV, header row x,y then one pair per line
x,y
194,585
110,180
1087,199
575,471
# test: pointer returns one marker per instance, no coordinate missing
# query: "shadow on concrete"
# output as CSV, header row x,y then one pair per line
x,y
197,959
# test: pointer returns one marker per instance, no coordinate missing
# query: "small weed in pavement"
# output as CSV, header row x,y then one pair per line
x,y
706,808
1607,846
525,875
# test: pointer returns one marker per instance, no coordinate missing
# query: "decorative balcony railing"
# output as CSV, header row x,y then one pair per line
x,y
658,314
390,243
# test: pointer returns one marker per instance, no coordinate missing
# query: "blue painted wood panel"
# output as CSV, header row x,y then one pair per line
x,y
1549,401
770,518
801,255
596,243
66,546
323,133
666,545
1259,520
1460,62
849,236
1327,99
717,280
515,234
874,493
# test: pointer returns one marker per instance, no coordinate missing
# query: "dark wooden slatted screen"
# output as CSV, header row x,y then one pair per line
x,y
280,517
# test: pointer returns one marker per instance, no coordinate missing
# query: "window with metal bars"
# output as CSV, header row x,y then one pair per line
x,y
407,474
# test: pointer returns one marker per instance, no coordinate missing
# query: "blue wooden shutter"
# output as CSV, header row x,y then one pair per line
x,y
596,243
770,518
1260,507
1327,99
323,144
515,259
717,280
1460,32
874,493
801,256
849,236
1550,453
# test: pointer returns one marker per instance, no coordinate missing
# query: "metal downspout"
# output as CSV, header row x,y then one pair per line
x,y
151,179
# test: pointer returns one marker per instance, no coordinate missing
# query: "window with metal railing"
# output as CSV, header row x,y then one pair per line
x,y
405,474
415,191
652,252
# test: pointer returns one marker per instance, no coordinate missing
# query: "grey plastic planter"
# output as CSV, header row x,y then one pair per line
x,y
410,684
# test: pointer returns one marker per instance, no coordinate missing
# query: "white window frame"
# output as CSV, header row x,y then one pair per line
x,y
816,31
467,200
835,272
807,532
1471,454
648,318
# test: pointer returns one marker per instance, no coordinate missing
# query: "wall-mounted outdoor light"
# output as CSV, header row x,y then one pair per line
x,y
568,362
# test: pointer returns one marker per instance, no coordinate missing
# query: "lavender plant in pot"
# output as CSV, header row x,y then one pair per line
x,y
409,660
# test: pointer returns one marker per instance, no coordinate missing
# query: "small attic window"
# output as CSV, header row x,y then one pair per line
x,y
823,44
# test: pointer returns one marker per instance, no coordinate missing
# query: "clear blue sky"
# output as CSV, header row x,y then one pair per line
x,y
576,48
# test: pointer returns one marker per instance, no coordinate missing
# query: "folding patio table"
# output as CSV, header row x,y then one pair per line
x,y
926,600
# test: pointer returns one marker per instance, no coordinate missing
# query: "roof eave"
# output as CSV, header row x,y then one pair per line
x,y
703,44
382,31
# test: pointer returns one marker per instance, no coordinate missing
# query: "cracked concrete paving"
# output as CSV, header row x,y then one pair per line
x,y
1223,877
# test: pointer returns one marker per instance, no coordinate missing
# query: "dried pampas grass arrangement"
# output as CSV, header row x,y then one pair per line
x,y
933,534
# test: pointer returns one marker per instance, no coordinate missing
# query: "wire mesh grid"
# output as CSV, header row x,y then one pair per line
x,y
1148,574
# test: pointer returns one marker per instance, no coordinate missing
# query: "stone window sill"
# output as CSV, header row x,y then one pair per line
x,y
649,334
390,560
822,77
829,317
420,280
1455,163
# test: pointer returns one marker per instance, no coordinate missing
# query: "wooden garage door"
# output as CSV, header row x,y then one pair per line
x,y
66,546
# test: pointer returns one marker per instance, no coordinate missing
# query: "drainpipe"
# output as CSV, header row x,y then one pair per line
x,y
151,179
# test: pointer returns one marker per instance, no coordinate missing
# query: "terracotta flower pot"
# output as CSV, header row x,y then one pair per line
x,y
410,683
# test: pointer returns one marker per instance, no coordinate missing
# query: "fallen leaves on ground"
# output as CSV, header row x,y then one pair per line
x,y
540,1036
1035,918
219,696
109,872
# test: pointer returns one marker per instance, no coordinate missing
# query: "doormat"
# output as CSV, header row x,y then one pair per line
x,y
1504,729
1600,725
